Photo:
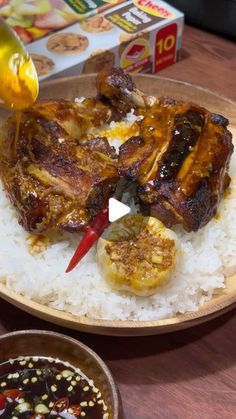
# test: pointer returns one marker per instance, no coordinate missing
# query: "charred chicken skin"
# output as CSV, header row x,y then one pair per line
x,y
58,176
180,158
55,176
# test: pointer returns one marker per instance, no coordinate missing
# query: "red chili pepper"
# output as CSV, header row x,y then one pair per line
x,y
13,394
2,401
75,410
96,228
61,404
92,234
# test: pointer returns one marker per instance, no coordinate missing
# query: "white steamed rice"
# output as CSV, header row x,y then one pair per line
x,y
205,259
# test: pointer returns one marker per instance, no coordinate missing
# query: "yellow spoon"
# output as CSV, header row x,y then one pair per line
x,y
18,77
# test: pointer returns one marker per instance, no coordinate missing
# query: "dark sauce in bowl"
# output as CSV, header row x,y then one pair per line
x,y
43,388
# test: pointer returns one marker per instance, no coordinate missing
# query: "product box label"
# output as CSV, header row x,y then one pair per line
x,y
86,6
165,46
132,19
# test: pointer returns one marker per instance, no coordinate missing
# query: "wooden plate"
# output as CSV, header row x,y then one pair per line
x,y
69,88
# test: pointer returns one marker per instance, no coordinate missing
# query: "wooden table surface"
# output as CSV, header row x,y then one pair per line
x,y
189,374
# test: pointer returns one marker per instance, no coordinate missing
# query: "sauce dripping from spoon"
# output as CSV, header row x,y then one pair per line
x,y
18,77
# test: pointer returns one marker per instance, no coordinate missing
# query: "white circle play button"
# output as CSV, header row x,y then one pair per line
x,y
116,210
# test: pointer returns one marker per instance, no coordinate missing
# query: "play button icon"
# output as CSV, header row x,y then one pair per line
x,y
116,210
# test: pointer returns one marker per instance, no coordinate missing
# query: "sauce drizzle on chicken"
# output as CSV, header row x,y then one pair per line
x,y
60,178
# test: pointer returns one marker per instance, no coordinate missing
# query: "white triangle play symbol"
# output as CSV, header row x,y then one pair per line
x,y
116,210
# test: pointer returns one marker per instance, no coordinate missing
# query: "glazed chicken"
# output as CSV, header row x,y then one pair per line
x,y
55,176
179,159
58,175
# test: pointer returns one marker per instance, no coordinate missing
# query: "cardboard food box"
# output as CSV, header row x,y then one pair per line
x,y
136,35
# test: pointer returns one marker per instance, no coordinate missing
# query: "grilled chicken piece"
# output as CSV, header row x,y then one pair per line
x,y
180,159
58,176
180,162
55,176
75,118
119,91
